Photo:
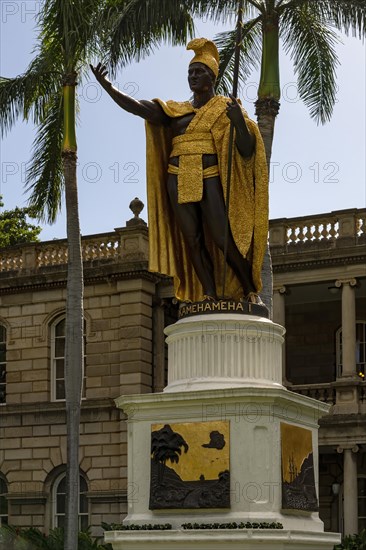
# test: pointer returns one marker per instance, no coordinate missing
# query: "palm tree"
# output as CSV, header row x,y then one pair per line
x,y
308,32
46,92
71,33
166,445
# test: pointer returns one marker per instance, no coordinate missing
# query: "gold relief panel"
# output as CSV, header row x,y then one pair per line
x,y
190,465
297,462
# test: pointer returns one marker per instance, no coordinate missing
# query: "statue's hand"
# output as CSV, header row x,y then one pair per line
x,y
100,72
233,111
245,142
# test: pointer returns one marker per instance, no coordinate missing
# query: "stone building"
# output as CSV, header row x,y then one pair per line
x,y
319,296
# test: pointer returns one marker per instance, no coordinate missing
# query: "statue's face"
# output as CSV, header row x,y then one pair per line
x,y
200,77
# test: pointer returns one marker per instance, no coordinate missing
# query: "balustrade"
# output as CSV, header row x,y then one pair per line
x,y
53,253
322,392
11,260
330,227
288,233
312,231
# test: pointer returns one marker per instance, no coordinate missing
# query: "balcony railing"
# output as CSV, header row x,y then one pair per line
x,y
124,243
327,393
340,228
322,392
334,227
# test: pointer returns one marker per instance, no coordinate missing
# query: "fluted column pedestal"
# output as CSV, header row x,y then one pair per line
x,y
224,350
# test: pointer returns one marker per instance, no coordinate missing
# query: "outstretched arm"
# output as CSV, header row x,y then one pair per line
x,y
149,110
244,140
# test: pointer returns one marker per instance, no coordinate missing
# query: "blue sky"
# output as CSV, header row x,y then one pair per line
x,y
314,168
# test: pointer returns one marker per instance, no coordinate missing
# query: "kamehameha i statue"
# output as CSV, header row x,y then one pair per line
x,y
187,158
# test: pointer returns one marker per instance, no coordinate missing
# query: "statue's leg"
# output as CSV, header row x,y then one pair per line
x,y
214,213
189,220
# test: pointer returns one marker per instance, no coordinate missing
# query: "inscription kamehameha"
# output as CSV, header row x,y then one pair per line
x,y
220,306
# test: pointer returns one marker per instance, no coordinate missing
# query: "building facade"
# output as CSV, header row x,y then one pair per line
x,y
319,296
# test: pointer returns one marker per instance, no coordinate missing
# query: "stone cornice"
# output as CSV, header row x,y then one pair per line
x,y
348,421
92,275
288,264
29,498
53,408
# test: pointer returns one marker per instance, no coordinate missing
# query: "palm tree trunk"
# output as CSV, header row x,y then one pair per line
x,y
74,318
267,107
266,111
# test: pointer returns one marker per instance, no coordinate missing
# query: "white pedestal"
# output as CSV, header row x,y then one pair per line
x,y
225,350
224,368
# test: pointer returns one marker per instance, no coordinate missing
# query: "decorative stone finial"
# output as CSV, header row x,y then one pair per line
x,y
136,205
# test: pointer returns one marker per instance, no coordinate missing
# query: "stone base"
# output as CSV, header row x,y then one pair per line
x,y
255,415
224,378
212,539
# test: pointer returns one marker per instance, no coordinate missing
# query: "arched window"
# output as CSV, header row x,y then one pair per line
x,y
58,360
360,349
59,503
3,502
2,365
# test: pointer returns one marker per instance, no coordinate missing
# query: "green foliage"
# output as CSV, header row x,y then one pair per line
x,y
15,538
135,527
45,174
308,30
249,55
353,542
311,44
135,28
233,525
14,227
71,35
186,526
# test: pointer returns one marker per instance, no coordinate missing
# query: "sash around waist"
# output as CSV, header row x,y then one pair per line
x,y
209,172
199,143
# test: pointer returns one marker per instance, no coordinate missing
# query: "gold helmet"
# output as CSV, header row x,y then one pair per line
x,y
205,52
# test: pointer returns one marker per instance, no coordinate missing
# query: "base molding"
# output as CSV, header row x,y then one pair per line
x,y
212,539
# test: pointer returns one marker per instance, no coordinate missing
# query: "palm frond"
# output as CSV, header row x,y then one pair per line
x,y
223,10
137,27
289,4
70,28
27,95
249,58
348,16
311,44
44,177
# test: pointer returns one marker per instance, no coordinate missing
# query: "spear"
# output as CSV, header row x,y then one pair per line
x,y
238,39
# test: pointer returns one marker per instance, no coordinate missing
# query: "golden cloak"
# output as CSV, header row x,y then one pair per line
x,y
248,209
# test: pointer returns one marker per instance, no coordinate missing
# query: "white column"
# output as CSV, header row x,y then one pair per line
x,y
279,316
350,504
348,327
223,350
